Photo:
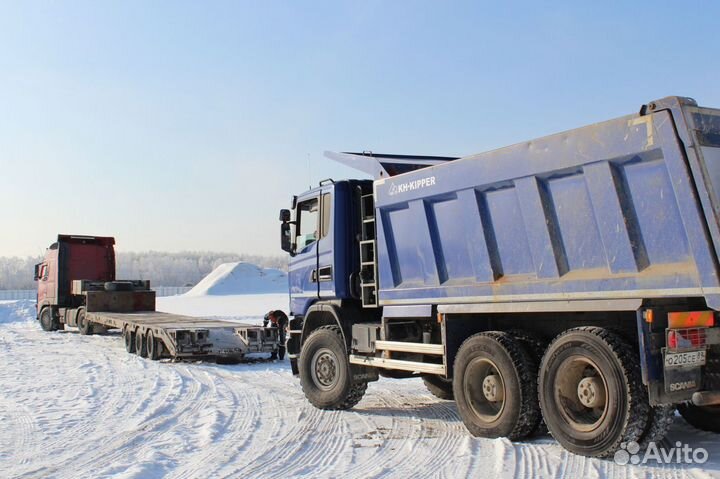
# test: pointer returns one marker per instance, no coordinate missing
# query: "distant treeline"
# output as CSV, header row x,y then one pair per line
x,y
162,269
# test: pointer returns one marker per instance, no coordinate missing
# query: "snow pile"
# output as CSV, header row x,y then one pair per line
x,y
16,311
240,278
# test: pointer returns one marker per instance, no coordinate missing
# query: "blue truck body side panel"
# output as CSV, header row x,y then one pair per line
x,y
621,209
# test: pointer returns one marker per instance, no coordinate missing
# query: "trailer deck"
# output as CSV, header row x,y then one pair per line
x,y
191,337
77,287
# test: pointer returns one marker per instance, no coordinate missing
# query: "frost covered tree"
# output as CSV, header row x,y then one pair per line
x,y
161,268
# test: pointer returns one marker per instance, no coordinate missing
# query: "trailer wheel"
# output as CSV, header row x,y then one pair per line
x,y
325,371
495,386
47,322
591,393
140,344
84,326
438,386
153,345
129,338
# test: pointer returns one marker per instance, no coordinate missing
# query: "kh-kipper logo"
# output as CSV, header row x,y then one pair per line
x,y
411,185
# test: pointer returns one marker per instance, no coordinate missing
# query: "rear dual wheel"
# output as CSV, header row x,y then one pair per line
x,y
591,393
495,386
706,418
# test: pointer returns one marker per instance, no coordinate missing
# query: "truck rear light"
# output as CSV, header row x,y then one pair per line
x,y
689,338
691,319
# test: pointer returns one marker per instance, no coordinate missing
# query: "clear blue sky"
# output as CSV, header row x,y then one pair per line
x,y
187,125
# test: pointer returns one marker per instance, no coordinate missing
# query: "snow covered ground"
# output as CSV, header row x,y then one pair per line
x,y
79,406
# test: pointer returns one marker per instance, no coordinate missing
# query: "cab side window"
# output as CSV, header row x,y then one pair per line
x,y
307,227
326,209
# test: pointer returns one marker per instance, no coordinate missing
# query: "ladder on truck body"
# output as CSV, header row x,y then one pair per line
x,y
368,252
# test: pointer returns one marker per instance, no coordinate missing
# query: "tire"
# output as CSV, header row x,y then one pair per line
x,y
84,326
660,418
438,386
47,322
129,339
706,418
495,386
591,393
118,286
153,346
140,344
325,374
536,348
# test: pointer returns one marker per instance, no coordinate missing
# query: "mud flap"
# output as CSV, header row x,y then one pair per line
x,y
364,373
683,380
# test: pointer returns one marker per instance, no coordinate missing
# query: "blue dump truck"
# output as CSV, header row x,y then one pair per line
x,y
569,283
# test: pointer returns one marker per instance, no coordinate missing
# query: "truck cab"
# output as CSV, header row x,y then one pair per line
x,y
71,257
321,234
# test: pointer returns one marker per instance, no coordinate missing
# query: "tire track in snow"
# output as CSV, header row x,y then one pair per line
x,y
214,457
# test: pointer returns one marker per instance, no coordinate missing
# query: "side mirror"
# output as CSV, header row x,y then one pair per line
x,y
37,272
285,238
285,216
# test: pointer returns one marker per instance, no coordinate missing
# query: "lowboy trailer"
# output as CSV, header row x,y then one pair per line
x,y
77,287
570,282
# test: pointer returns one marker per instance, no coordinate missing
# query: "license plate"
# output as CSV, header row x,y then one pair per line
x,y
690,358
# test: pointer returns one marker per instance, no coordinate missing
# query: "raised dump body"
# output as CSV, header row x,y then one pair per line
x,y
77,287
571,280
608,212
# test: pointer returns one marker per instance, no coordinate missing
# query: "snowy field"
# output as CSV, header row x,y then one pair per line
x,y
75,406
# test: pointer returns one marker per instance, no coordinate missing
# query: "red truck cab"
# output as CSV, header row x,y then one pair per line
x,y
71,257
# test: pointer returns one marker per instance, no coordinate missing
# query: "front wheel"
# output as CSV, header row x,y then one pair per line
x,y
47,322
325,371
438,386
